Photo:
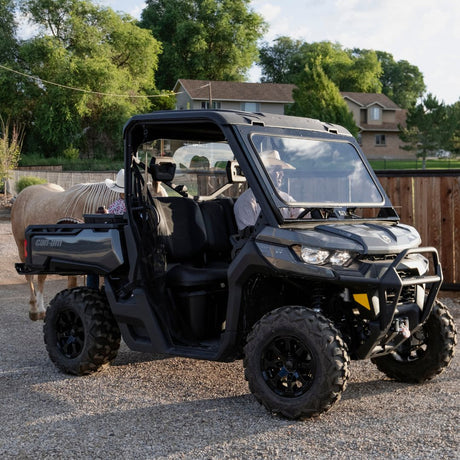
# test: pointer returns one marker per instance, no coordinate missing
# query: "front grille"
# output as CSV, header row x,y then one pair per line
x,y
408,293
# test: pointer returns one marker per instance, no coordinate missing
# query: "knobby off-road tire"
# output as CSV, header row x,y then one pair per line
x,y
81,334
296,362
427,353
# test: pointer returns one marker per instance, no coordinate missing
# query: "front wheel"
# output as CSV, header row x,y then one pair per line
x,y
427,353
80,332
296,362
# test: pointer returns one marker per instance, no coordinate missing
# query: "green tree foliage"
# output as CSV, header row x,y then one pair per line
x,y
350,70
428,128
318,97
453,118
8,27
8,55
282,61
401,82
203,39
81,45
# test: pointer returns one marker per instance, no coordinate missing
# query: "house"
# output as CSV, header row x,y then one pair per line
x,y
233,95
377,116
378,119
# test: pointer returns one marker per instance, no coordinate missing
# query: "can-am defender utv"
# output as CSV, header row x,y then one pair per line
x,y
323,274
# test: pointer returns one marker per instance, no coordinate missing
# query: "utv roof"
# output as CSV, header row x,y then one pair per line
x,y
233,117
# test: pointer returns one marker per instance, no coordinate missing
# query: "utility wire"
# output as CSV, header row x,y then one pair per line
x,y
81,90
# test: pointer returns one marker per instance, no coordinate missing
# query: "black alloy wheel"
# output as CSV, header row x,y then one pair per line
x,y
288,366
70,334
296,362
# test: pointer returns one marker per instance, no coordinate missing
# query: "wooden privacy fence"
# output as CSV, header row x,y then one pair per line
x,y
429,200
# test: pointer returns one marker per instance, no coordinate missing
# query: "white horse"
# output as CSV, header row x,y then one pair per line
x,y
47,204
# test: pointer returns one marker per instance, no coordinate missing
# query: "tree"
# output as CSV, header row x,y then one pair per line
x,y
453,117
7,30
427,128
351,70
203,39
401,82
318,97
281,62
8,55
101,53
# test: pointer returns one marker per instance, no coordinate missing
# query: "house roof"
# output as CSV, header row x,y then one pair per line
x,y
368,99
237,91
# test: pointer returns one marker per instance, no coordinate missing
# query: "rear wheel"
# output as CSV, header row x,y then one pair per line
x,y
427,353
81,334
296,362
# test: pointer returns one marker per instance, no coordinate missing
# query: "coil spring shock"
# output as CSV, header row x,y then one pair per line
x,y
317,297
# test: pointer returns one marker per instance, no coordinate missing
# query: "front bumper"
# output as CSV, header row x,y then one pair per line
x,y
393,306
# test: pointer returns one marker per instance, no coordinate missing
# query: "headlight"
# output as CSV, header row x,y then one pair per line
x,y
313,256
339,258
317,256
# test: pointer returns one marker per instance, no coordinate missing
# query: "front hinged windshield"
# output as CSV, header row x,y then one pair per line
x,y
317,173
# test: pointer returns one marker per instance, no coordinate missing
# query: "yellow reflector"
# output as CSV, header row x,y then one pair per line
x,y
362,299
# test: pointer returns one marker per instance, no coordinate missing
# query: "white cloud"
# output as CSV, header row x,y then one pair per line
x,y
423,32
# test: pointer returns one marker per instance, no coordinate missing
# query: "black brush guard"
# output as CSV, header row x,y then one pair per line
x,y
379,337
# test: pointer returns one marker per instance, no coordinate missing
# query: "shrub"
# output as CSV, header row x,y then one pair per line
x,y
25,181
11,139
71,153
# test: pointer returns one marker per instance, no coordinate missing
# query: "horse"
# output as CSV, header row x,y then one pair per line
x,y
49,204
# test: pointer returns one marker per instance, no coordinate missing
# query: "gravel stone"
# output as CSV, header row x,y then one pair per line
x,y
158,407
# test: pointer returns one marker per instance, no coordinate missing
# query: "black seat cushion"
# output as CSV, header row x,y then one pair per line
x,y
220,225
181,228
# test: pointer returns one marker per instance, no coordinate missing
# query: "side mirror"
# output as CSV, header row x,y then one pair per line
x,y
234,173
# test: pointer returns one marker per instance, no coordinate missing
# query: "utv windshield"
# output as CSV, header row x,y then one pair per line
x,y
316,173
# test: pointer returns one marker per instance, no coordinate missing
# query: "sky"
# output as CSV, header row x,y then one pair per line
x,y
426,33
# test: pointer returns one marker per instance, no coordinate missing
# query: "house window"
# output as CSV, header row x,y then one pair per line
x,y
380,139
250,107
215,105
375,113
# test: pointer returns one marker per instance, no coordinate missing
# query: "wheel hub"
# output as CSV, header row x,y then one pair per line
x,y
70,335
288,367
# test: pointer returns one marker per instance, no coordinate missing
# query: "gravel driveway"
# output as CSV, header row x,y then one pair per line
x,y
147,407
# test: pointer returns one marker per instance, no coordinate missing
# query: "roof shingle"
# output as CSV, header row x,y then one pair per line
x,y
368,99
237,91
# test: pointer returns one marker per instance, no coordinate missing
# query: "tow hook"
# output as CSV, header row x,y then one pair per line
x,y
401,326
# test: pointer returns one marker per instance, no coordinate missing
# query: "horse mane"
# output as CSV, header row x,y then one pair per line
x,y
88,197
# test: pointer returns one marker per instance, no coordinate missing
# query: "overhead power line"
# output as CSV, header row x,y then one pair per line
x,y
81,90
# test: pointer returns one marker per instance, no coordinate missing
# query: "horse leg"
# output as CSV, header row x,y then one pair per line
x,y
33,313
41,310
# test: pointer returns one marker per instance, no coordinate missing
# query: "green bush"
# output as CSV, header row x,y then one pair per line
x,y
25,181
71,153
